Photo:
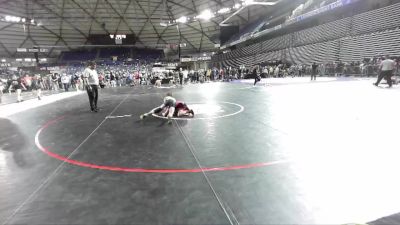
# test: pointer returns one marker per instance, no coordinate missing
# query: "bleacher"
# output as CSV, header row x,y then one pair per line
x,y
106,54
324,32
121,53
323,52
79,55
376,20
368,34
356,48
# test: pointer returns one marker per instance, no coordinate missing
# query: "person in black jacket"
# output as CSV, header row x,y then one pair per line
x,y
256,75
314,71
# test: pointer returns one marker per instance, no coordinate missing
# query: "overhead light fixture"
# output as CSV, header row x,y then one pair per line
x,y
205,15
14,19
18,60
182,19
23,20
28,60
224,10
248,2
3,60
252,2
237,5
43,60
166,23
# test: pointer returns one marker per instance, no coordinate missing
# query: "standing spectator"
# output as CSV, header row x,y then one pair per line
x,y
185,76
65,81
322,69
112,80
1,89
276,72
265,72
27,82
256,75
271,71
314,71
180,76
37,85
91,80
54,80
208,75
386,71
17,85
117,79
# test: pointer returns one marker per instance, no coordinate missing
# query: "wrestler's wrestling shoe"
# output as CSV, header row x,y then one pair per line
x,y
143,116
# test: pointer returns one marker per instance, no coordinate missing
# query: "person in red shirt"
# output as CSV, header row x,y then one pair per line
x,y
182,110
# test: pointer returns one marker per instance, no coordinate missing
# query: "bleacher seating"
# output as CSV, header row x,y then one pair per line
x,y
324,32
349,39
84,55
376,20
121,53
357,48
323,52
79,55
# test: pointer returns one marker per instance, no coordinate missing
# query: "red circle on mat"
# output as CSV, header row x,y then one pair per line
x,y
141,170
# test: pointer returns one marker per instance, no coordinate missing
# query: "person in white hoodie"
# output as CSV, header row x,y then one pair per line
x,y
65,81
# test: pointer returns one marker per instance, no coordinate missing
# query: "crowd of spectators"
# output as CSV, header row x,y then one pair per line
x,y
365,68
70,77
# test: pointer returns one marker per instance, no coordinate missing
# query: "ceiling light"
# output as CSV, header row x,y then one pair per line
x,y
205,15
182,19
3,60
167,23
23,20
224,10
248,2
237,5
18,60
12,19
28,60
252,2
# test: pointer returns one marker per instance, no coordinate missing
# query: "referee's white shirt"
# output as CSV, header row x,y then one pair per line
x,y
93,77
387,65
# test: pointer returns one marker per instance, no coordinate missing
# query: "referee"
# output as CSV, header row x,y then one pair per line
x,y
386,71
91,80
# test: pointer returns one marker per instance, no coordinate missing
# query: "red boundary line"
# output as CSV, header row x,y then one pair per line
x,y
142,170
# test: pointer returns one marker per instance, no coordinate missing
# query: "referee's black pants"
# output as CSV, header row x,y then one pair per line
x,y
93,96
387,74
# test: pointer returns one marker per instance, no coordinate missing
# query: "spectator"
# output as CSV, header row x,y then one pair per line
x,y
65,81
